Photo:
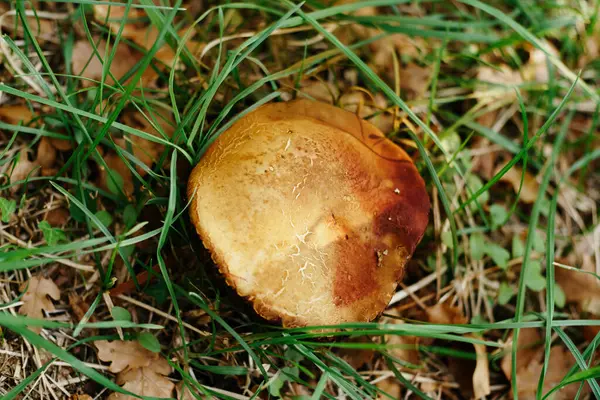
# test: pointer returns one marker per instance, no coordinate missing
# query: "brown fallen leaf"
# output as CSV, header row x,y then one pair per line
x,y
46,153
530,189
415,79
391,386
15,114
477,383
42,29
481,375
581,287
529,367
114,16
37,297
23,169
146,381
184,393
80,397
57,217
79,306
357,357
124,355
443,313
87,64
61,144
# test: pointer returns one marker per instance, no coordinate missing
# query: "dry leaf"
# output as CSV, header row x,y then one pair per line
x,y
481,375
15,114
80,397
42,29
114,16
357,357
57,217
78,306
46,153
124,355
325,92
146,381
23,169
364,106
580,287
529,366
184,393
403,347
38,291
145,150
530,189
443,313
391,386
415,79
61,144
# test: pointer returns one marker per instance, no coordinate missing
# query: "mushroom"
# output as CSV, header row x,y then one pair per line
x,y
309,212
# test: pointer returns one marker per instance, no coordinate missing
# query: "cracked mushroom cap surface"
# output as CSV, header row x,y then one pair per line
x,y
309,212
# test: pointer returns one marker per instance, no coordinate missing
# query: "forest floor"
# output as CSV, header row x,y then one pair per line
x,y
106,290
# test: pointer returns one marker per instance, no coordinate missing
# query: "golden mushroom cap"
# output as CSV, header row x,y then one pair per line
x,y
309,212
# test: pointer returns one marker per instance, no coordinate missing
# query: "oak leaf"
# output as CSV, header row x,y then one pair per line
x,y
124,355
38,291
146,381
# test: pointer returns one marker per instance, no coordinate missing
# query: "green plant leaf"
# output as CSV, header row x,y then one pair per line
x,y
447,239
477,245
129,215
282,377
559,296
104,217
499,214
149,341
120,314
518,247
51,235
498,253
534,278
505,293
114,184
7,208
539,244
474,183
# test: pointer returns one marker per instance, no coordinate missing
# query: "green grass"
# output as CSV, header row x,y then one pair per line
x,y
235,77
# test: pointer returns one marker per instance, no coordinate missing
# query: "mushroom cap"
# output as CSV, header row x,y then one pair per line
x,y
309,212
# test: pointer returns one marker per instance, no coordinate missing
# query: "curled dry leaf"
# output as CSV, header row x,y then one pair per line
x,y
23,169
357,357
46,153
57,217
37,297
320,90
364,106
61,144
530,189
87,64
403,347
530,356
581,287
391,386
124,355
80,397
42,29
481,375
443,313
479,385
79,306
143,35
15,114
148,381
144,150
184,393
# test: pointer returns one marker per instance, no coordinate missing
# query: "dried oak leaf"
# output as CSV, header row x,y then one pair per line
x,y
530,189
46,153
38,291
124,355
57,217
146,381
88,65
23,169
443,313
580,287
15,114
529,366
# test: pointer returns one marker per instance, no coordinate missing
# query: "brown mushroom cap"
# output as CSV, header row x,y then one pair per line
x,y
309,212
